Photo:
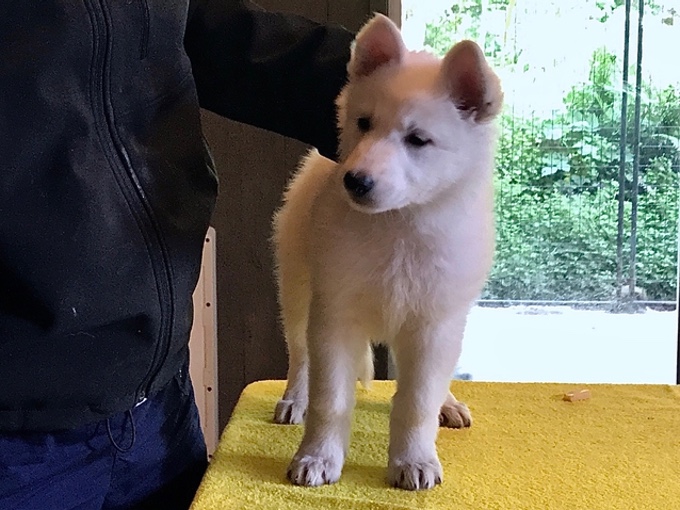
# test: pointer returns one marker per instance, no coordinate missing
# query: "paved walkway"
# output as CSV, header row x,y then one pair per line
x,y
561,344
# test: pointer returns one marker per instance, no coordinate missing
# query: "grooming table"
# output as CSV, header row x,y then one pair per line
x,y
527,449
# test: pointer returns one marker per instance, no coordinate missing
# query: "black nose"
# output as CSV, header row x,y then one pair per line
x,y
358,183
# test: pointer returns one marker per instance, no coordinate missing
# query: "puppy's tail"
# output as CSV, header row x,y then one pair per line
x,y
366,368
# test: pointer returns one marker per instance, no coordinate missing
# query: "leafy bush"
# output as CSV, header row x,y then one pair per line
x,y
557,246
557,196
557,214
657,243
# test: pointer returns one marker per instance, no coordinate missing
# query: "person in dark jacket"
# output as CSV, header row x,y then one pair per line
x,y
106,192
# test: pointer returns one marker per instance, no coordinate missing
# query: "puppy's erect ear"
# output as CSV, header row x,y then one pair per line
x,y
378,43
473,86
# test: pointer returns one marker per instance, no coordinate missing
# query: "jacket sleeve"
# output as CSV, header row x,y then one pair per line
x,y
277,71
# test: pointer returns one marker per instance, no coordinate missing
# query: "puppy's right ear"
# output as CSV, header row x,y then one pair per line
x,y
378,43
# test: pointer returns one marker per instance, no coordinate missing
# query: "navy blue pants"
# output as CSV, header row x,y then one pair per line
x,y
152,456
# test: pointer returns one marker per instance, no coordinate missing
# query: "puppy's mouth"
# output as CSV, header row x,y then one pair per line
x,y
367,205
363,205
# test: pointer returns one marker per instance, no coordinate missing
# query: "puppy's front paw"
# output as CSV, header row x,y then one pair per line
x,y
454,415
414,476
312,471
290,412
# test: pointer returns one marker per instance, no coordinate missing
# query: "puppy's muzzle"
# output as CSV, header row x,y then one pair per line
x,y
358,184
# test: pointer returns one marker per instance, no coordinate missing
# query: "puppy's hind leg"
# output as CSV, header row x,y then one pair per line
x,y
454,414
294,297
292,406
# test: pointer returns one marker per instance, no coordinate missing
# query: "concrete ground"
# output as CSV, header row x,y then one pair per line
x,y
562,344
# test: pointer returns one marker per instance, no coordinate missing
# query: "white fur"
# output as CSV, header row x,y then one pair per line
x,y
402,265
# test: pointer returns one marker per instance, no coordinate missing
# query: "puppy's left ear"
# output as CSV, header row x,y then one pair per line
x,y
472,85
377,44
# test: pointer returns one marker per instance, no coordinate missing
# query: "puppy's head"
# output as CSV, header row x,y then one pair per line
x,y
413,126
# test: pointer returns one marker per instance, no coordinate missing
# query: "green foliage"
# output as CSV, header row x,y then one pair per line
x,y
464,20
607,7
657,246
557,185
553,245
557,195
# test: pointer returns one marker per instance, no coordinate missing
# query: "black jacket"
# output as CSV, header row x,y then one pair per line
x,y
106,186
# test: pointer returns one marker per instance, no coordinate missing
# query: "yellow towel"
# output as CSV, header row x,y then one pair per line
x,y
527,449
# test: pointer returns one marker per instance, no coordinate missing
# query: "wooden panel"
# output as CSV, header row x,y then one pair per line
x,y
392,9
350,13
203,346
250,344
354,13
313,9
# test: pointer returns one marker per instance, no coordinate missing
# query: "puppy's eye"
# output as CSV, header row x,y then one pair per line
x,y
364,124
417,140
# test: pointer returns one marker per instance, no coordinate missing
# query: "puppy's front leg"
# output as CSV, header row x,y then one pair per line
x,y
425,355
335,348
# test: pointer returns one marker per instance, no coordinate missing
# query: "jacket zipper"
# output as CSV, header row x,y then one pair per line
x,y
133,190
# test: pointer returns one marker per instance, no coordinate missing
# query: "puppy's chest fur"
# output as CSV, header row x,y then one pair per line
x,y
415,279
392,267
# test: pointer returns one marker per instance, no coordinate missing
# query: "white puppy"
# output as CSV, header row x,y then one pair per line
x,y
393,245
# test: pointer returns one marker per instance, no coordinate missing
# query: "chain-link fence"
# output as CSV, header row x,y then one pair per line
x,y
587,191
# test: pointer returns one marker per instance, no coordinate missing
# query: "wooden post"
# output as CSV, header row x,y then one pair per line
x,y
203,346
